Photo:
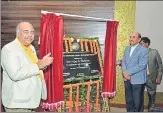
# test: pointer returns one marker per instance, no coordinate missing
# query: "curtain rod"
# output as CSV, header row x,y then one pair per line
x,y
45,12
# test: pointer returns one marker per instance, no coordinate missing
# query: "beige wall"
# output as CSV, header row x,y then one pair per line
x,y
149,22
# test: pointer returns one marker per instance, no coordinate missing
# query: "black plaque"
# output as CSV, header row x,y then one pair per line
x,y
80,63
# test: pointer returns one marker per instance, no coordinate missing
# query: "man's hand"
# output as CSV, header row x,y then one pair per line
x,y
158,81
126,76
46,56
46,61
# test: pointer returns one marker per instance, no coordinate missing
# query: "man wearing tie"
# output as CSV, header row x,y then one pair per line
x,y
134,68
154,72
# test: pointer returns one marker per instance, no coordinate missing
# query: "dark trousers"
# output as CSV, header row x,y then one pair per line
x,y
151,89
134,94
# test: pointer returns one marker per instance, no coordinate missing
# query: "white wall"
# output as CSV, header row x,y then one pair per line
x,y
149,22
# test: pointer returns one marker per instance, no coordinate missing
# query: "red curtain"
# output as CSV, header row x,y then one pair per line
x,y
109,79
51,39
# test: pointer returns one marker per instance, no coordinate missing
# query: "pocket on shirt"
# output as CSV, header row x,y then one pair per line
x,y
22,92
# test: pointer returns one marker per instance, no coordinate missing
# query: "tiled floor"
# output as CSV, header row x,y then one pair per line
x,y
114,109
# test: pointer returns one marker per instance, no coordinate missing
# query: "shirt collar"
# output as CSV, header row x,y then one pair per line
x,y
23,46
135,46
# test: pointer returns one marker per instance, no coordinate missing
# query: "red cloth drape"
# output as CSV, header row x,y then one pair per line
x,y
51,39
109,79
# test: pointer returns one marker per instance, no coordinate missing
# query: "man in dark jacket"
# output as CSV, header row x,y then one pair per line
x,y
154,71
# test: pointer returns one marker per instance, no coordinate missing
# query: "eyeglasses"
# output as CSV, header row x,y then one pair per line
x,y
26,32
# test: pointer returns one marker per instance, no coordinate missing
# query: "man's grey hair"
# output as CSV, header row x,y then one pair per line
x,y
18,26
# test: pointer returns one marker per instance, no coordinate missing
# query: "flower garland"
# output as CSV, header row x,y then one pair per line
x,y
73,98
94,47
86,46
66,45
81,45
90,42
65,99
70,44
99,57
